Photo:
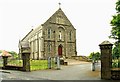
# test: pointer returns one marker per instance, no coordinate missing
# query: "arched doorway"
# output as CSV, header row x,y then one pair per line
x,y
60,50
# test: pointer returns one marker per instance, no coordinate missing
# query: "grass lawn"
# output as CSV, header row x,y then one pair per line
x,y
38,65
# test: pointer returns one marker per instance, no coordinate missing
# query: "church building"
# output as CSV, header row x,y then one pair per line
x,y
56,37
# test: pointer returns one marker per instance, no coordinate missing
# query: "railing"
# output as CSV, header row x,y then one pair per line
x,y
14,62
17,64
115,71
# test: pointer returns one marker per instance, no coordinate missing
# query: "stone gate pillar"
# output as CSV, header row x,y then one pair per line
x,y
106,59
5,56
25,52
4,61
26,61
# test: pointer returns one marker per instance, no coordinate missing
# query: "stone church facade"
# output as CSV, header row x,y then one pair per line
x,y
56,37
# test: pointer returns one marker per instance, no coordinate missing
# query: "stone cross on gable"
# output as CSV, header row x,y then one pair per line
x,y
59,4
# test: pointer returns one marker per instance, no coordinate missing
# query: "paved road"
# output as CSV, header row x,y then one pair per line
x,y
71,72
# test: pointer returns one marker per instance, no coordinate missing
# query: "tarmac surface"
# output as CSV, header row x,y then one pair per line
x,y
75,70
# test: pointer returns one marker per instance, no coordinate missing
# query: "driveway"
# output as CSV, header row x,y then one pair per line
x,y
74,71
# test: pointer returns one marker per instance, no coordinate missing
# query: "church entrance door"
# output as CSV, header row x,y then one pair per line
x,y
60,50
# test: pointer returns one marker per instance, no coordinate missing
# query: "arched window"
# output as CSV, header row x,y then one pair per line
x,y
60,35
49,33
70,35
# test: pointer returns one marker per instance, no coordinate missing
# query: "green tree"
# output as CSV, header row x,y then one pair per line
x,y
97,55
14,54
94,55
115,23
116,51
91,55
115,32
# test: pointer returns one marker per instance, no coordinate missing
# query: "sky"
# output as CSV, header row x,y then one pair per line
x,y
91,19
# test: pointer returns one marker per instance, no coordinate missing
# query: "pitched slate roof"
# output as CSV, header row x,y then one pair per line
x,y
27,34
